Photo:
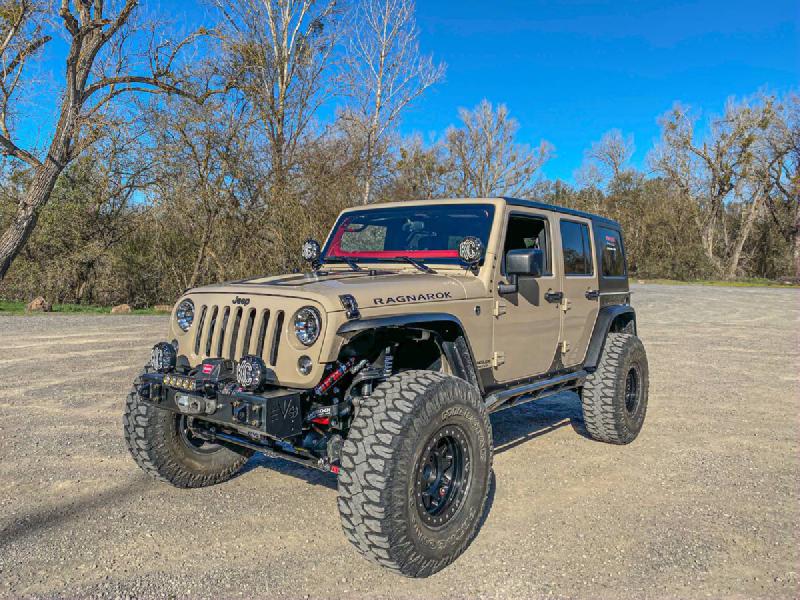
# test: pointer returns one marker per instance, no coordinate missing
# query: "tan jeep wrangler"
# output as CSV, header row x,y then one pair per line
x,y
382,364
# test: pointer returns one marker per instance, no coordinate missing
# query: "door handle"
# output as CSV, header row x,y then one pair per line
x,y
592,294
554,296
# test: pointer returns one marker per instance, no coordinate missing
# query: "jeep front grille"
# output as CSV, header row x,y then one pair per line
x,y
232,332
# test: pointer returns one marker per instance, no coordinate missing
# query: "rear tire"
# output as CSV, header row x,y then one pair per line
x,y
415,472
162,446
614,397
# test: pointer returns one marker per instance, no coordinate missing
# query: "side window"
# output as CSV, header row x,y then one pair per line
x,y
613,256
527,232
576,248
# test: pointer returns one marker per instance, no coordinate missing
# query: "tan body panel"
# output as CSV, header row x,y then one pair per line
x,y
516,336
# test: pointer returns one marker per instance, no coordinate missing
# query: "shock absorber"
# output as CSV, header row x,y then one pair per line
x,y
334,376
388,362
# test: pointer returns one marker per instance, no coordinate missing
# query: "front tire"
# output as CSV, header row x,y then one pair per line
x,y
415,472
614,397
162,445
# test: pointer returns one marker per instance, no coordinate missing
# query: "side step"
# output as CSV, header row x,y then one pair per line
x,y
532,391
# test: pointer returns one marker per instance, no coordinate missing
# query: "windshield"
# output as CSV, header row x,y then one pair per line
x,y
428,233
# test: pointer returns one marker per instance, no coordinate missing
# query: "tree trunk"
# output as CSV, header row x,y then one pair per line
x,y
741,237
201,253
24,220
368,174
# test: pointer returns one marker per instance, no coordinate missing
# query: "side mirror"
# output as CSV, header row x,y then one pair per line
x,y
524,262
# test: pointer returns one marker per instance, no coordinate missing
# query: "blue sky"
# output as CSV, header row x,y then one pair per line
x,y
569,71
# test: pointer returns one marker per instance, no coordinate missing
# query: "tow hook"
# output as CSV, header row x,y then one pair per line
x,y
195,405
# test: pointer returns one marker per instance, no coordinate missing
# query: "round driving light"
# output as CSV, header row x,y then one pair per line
x,y
304,365
163,357
307,325
185,314
470,250
251,373
310,251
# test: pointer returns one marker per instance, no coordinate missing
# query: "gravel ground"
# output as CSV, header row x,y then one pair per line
x,y
703,504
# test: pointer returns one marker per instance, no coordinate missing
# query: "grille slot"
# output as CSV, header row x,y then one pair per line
x,y
248,330
262,333
225,332
276,339
199,334
237,320
221,336
210,333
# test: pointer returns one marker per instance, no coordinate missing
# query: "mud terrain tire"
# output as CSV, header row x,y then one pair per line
x,y
159,446
418,431
614,397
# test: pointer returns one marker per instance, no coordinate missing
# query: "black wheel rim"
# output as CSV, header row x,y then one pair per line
x,y
632,390
442,476
192,442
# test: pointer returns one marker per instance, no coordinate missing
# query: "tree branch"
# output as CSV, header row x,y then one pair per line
x,y
9,148
23,54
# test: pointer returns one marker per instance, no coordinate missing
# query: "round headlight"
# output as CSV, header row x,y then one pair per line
x,y
307,325
251,372
185,314
163,357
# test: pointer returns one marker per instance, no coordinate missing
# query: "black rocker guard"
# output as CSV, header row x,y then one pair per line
x,y
275,412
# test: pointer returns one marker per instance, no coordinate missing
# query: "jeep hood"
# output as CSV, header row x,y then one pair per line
x,y
369,290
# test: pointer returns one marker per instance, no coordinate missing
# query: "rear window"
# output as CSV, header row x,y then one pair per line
x,y
612,255
577,248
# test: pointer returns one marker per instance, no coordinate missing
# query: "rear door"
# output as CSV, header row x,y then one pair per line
x,y
579,285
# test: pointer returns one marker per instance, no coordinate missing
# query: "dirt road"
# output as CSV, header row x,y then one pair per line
x,y
705,503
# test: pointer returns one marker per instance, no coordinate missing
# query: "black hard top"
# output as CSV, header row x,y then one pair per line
x,y
561,209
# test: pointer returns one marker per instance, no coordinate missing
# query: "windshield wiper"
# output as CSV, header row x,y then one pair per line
x,y
348,261
418,264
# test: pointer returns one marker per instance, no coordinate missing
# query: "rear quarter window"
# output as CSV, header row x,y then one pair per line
x,y
576,248
612,254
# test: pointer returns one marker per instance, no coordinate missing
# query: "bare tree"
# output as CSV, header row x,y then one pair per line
x,y
486,160
279,50
202,156
96,73
608,157
384,72
781,173
715,170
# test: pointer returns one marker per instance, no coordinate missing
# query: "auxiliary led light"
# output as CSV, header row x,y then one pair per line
x,y
163,357
251,373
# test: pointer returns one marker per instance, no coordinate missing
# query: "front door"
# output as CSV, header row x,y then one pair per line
x,y
527,323
579,284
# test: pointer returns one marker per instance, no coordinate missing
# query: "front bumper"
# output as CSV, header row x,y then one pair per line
x,y
275,412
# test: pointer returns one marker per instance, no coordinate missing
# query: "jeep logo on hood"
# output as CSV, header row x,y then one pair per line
x,y
240,300
409,298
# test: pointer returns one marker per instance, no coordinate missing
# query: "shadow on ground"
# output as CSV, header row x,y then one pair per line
x,y
510,427
79,507
522,423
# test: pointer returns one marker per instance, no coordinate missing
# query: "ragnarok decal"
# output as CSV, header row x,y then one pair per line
x,y
409,298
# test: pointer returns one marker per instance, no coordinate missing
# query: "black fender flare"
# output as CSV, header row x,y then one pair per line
x,y
448,327
605,319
